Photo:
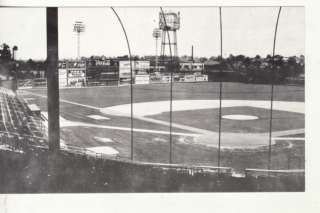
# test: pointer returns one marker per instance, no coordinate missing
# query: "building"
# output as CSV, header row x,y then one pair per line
x,y
191,66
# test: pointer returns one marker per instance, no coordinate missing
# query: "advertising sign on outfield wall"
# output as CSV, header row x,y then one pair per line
x,y
165,79
63,77
141,65
142,79
76,73
202,78
189,78
124,69
63,82
62,73
137,66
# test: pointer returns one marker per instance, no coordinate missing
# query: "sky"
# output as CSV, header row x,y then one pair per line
x,y
246,30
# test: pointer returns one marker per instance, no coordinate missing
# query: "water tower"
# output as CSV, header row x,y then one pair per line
x,y
169,23
156,34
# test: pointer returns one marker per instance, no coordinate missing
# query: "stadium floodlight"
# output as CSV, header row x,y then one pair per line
x,y
78,27
156,34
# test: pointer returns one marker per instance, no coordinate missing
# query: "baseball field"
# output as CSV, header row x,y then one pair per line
x,y
98,120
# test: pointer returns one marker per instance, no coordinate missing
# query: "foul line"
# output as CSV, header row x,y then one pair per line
x,y
127,129
184,127
63,100
72,123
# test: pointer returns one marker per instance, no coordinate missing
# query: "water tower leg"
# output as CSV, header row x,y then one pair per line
x,y
163,44
175,43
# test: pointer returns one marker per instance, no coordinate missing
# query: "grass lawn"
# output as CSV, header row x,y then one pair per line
x,y
208,119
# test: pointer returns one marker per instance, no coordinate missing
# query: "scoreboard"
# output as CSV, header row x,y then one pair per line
x,y
137,67
72,73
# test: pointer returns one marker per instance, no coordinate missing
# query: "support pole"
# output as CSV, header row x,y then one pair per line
x,y
192,53
52,79
272,89
175,44
131,81
156,65
78,41
220,93
171,89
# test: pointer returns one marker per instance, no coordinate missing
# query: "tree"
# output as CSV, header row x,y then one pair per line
x,y
30,64
14,49
203,59
212,58
240,58
5,53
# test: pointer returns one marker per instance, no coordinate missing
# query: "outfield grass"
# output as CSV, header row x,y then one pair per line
x,y
208,119
110,96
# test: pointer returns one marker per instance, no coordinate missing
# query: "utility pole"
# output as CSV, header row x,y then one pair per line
x,y
15,66
52,79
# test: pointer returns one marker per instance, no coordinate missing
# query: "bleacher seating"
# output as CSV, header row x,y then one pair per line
x,y
17,123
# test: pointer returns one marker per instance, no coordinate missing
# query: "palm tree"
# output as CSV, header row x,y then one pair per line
x,y
14,48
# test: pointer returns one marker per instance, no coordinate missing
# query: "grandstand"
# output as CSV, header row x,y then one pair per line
x,y
18,124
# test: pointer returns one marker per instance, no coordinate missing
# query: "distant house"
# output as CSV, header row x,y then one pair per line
x,y
191,66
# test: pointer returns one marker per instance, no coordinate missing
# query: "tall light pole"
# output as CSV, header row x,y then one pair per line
x,y
78,27
14,49
156,34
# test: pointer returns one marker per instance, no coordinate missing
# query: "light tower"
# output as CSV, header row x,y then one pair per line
x,y
156,34
169,23
14,50
78,27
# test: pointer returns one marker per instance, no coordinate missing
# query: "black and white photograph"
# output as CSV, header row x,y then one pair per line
x,y
134,99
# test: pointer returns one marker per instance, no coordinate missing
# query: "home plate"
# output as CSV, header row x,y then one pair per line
x,y
104,140
107,150
98,117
